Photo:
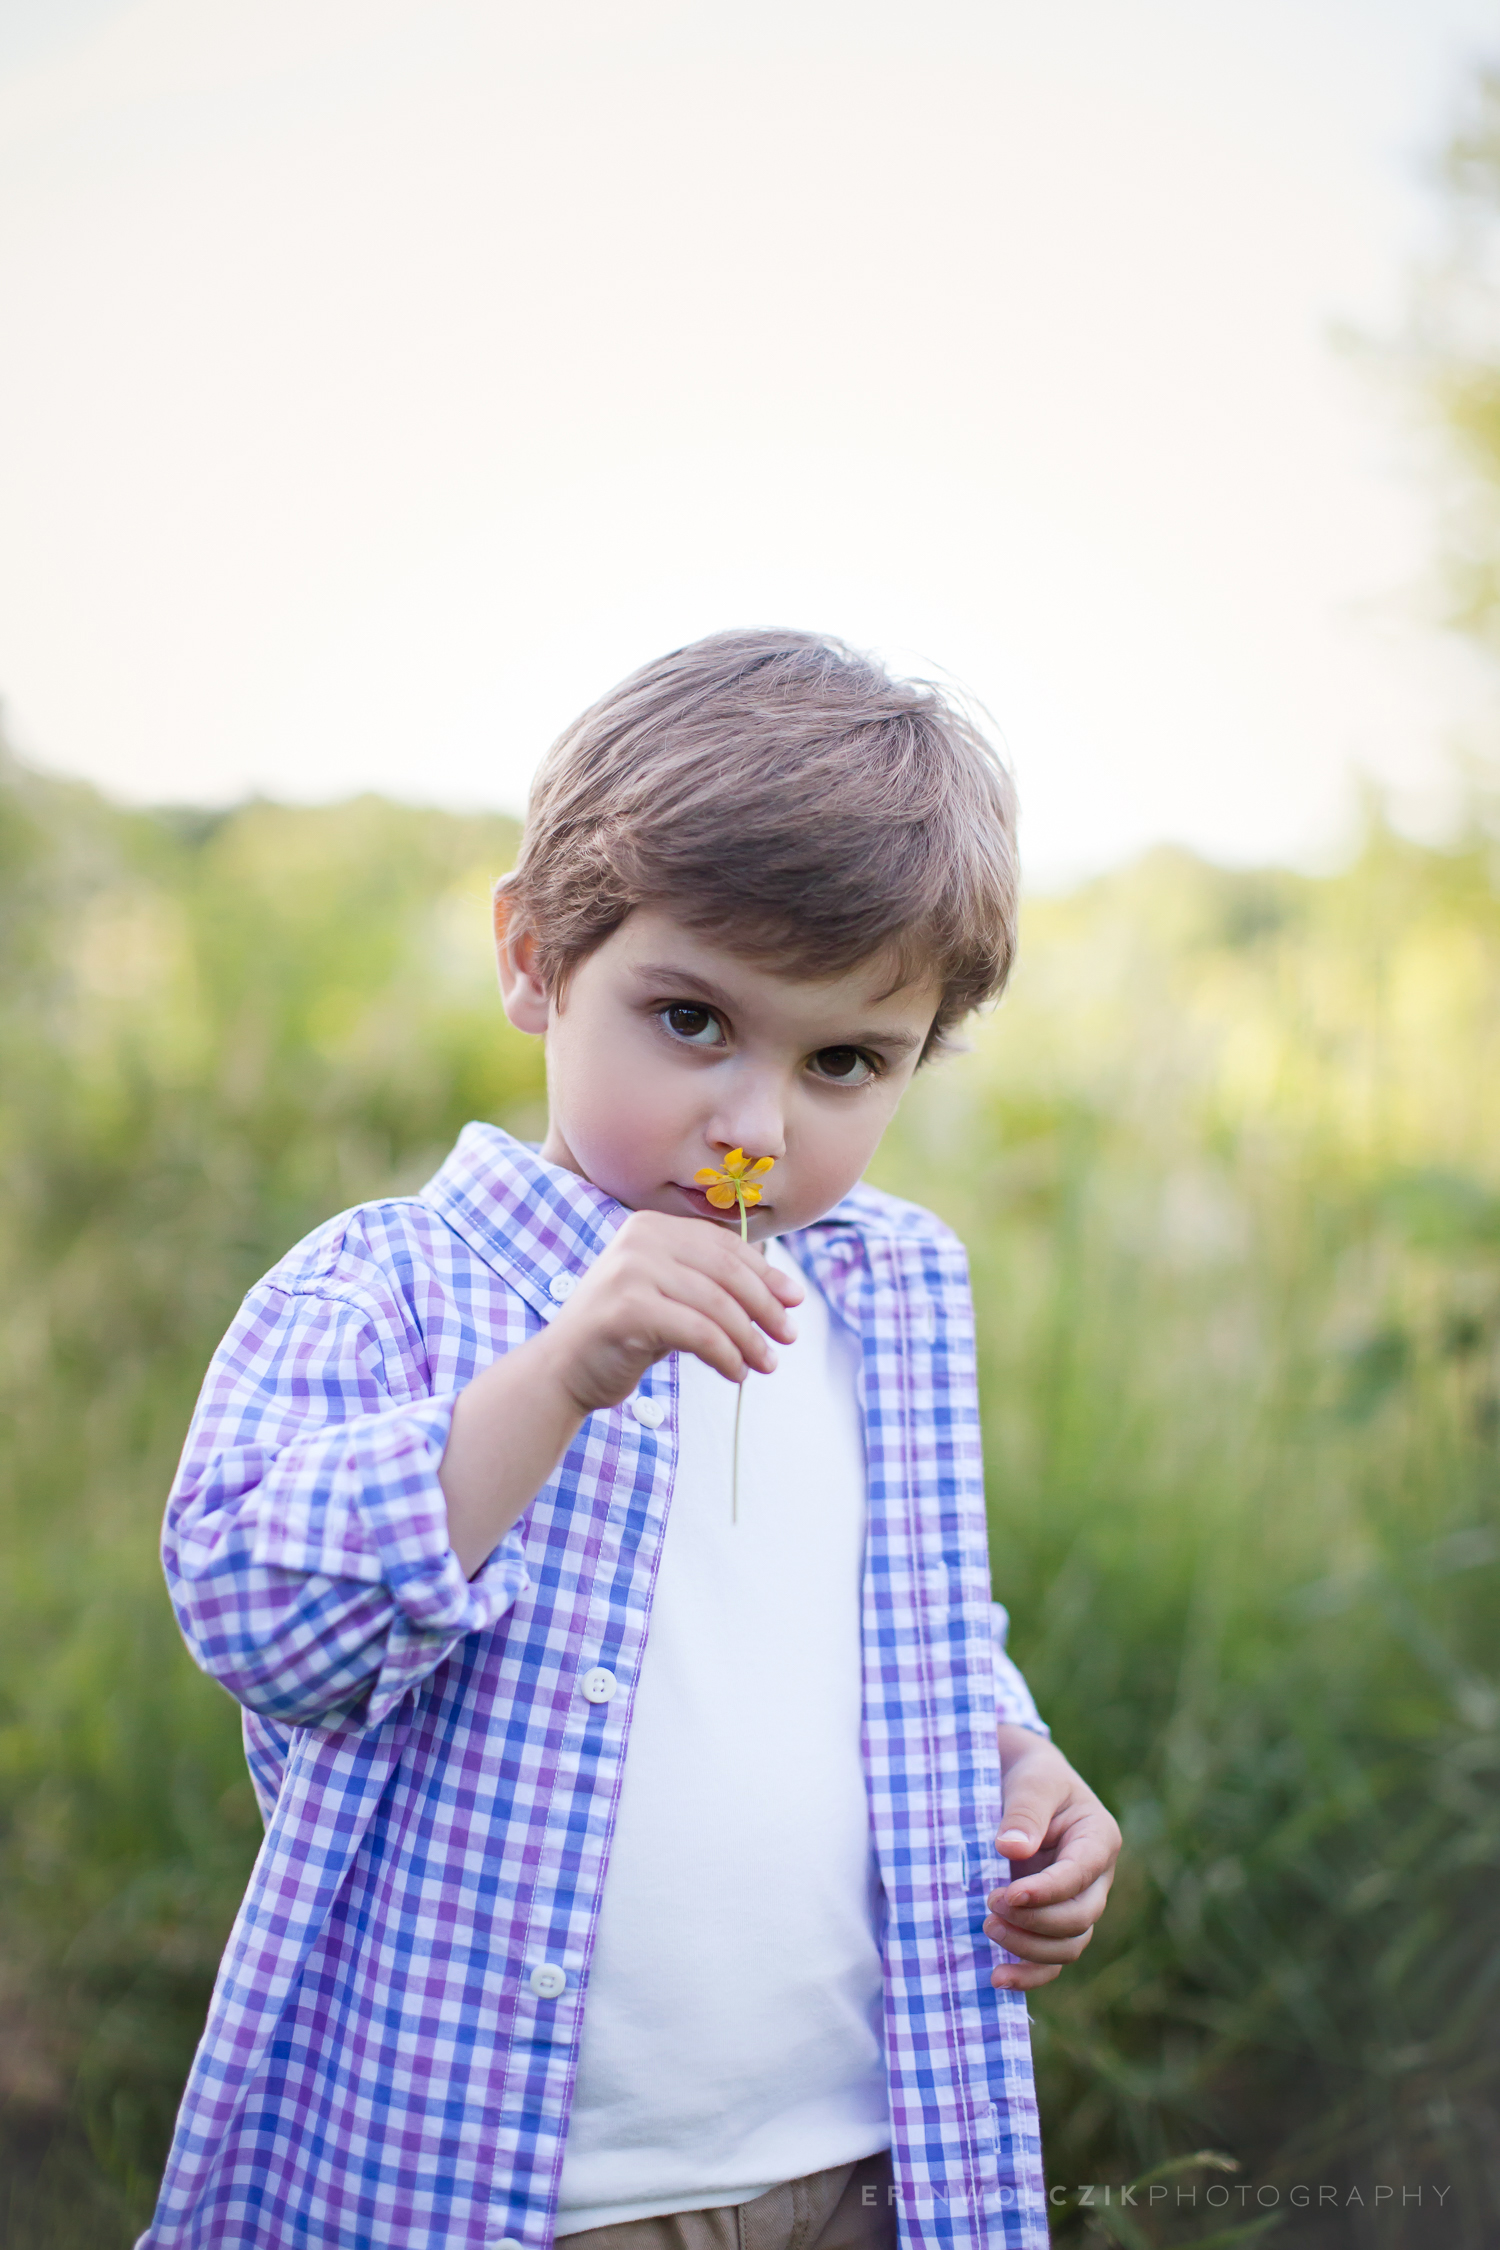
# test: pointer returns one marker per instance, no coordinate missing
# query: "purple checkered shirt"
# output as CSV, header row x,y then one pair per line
x,y
391,2047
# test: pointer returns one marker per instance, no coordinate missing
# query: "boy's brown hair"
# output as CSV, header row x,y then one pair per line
x,y
782,791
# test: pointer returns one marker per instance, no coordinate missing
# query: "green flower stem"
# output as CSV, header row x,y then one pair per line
x,y
739,1403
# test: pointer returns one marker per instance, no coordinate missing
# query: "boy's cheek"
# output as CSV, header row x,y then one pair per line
x,y
813,1188
842,1156
617,1136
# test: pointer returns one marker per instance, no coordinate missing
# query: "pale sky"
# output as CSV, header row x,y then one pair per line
x,y
383,378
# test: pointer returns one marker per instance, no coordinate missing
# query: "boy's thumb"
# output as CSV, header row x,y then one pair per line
x,y
1023,1825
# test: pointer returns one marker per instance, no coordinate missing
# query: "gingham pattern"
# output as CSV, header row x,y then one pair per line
x,y
378,2069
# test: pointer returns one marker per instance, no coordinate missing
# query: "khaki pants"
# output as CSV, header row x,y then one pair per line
x,y
847,2208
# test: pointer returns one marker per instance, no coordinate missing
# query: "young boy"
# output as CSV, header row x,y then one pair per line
x,y
454,1524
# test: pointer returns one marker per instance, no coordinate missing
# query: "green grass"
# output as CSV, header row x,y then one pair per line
x,y
1228,1168
1227,1165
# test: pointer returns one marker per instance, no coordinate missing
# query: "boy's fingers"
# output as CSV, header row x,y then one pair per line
x,y
701,1294
1069,1876
1085,1845
706,1340
1032,1802
787,1286
723,1247
1058,1950
1020,1976
745,1283
654,1249
692,1266
1068,1920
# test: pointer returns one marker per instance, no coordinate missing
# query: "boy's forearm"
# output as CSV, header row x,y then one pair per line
x,y
510,1428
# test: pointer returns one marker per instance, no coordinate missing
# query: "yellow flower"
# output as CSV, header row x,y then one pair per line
x,y
735,1183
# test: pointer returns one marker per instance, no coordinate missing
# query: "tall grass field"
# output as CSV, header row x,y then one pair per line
x,y
1228,1163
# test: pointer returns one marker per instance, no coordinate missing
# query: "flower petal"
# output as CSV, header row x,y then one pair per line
x,y
749,1194
722,1197
708,1177
736,1162
761,1164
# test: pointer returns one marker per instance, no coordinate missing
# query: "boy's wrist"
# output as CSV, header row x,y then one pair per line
x,y
553,1366
511,1427
1017,1742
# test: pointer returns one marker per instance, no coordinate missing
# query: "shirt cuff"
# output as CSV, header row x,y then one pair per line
x,y
362,1500
1013,1703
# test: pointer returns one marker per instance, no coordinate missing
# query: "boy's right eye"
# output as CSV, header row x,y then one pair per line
x,y
697,1027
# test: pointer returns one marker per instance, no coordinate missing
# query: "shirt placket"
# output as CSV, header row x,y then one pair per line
x,y
593,1695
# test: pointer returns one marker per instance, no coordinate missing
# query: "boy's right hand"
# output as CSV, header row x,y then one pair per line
x,y
669,1285
663,1285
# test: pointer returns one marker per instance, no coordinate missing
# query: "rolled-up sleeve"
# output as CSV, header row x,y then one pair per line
x,y
306,1543
1013,1704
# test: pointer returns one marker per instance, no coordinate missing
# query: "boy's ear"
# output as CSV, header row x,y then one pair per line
x,y
522,992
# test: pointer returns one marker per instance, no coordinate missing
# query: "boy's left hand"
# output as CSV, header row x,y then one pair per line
x,y
1062,1844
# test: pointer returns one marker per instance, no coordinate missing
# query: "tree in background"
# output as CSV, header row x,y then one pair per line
x,y
1449,362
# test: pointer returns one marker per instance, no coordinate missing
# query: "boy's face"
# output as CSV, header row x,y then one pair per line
x,y
668,1050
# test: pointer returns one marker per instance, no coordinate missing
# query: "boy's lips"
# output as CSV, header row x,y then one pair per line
x,y
701,1208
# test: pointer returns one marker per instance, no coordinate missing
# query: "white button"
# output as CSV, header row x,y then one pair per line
x,y
599,1685
508,2242
561,1287
547,1981
649,1412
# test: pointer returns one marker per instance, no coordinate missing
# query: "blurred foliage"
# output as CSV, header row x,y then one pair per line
x,y
215,1030
1448,362
1229,1166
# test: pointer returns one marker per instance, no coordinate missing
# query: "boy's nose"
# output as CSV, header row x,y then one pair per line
x,y
756,1127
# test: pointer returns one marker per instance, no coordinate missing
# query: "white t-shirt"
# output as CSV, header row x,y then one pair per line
x,y
731,2032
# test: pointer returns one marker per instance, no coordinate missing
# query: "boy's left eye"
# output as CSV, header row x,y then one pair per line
x,y
696,1027
847,1066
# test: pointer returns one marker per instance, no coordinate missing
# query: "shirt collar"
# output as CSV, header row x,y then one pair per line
x,y
533,1222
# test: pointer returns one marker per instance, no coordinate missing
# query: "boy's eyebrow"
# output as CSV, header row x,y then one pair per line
x,y
901,1042
666,975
